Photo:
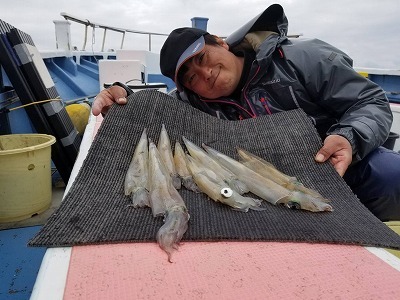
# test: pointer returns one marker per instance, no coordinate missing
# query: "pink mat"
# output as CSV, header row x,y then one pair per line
x,y
229,270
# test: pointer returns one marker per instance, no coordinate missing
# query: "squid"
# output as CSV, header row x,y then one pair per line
x,y
167,202
164,147
182,169
268,189
217,189
229,177
136,178
269,171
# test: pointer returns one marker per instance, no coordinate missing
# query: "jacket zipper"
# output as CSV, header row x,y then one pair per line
x,y
265,105
231,103
254,113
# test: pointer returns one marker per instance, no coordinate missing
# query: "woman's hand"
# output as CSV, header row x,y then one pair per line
x,y
338,150
106,98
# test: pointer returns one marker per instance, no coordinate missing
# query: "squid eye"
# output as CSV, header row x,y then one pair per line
x,y
226,192
293,205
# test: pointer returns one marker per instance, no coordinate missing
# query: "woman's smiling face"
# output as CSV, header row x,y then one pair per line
x,y
214,72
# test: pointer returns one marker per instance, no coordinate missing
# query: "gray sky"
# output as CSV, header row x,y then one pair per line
x,y
368,30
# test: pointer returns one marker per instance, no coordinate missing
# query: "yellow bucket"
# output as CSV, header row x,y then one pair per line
x,y
25,175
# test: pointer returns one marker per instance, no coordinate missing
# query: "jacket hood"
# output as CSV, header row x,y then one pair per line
x,y
271,19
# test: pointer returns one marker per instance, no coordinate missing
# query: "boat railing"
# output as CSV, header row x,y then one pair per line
x,y
123,31
107,28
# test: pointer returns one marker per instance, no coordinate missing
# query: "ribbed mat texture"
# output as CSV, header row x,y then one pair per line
x,y
96,209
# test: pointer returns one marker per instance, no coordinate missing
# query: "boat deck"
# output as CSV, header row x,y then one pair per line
x,y
202,270
19,264
208,270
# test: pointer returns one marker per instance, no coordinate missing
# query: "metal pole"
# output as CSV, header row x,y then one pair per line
x,y
104,39
84,42
149,41
123,38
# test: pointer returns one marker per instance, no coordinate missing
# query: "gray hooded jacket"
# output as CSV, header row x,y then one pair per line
x,y
308,74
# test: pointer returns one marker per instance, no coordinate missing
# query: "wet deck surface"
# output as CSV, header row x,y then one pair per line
x,y
19,264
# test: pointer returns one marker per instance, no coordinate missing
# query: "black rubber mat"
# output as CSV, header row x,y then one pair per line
x,y
96,210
